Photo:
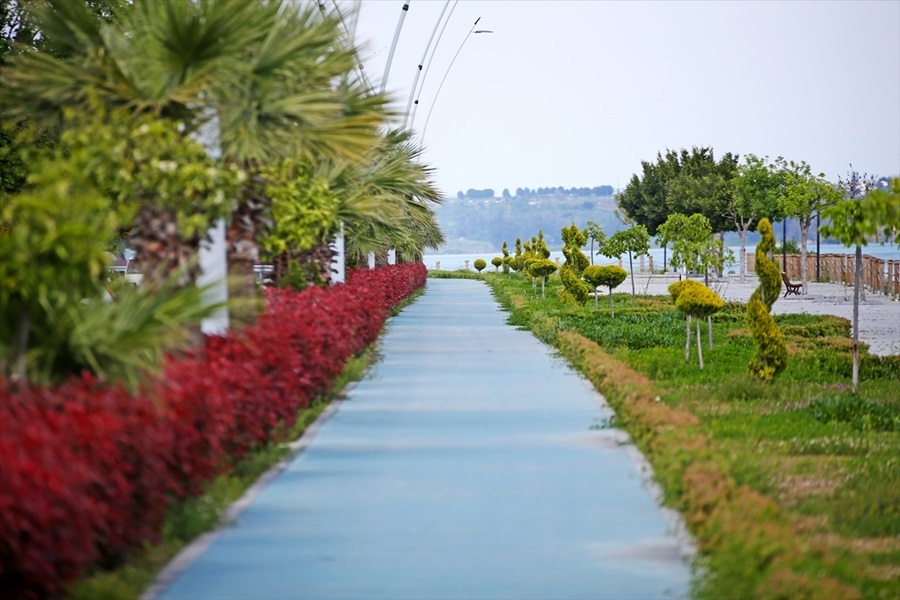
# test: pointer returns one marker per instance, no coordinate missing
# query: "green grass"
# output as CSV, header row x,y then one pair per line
x,y
826,461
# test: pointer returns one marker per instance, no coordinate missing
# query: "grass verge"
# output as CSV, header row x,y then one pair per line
x,y
792,488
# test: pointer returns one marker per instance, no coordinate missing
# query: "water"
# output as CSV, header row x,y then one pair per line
x,y
453,262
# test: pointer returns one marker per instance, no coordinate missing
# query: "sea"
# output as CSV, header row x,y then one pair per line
x,y
454,262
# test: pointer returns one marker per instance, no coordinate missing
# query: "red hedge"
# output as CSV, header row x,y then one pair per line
x,y
87,471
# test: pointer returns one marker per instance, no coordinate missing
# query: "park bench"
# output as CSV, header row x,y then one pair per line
x,y
790,288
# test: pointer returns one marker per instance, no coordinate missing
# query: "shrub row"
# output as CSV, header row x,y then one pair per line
x,y
88,471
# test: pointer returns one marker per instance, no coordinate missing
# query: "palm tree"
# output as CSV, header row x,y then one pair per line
x,y
254,80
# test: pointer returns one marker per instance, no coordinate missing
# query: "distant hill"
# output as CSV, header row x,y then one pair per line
x,y
476,222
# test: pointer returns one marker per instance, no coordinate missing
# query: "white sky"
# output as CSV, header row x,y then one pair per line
x,y
579,93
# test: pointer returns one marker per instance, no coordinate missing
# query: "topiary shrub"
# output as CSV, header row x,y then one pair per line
x,y
542,268
576,291
506,258
771,350
479,264
695,300
610,276
497,262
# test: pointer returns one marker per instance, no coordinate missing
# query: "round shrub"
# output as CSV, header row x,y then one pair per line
x,y
497,262
480,264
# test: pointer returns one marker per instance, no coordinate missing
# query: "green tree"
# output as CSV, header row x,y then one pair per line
x,y
852,221
804,198
258,81
542,268
595,234
681,181
635,241
693,245
757,187
696,300
497,261
610,276
479,264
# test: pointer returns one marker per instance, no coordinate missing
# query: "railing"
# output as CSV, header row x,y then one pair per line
x,y
880,275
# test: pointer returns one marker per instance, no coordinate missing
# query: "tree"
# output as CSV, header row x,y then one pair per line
x,y
852,221
681,181
693,245
805,197
258,81
595,234
542,268
506,257
771,351
610,276
634,241
696,300
497,261
756,190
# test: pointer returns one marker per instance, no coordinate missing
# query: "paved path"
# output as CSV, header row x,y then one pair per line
x,y
468,464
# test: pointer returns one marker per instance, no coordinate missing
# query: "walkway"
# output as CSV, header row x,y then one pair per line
x,y
470,463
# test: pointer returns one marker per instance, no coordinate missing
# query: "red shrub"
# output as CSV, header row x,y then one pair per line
x,y
87,471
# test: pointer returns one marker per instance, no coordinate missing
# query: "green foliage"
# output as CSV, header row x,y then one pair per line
x,y
479,264
861,414
682,181
771,351
304,209
693,245
506,258
576,291
610,276
574,240
696,299
53,260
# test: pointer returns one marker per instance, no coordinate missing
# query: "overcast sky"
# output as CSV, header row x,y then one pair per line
x,y
579,93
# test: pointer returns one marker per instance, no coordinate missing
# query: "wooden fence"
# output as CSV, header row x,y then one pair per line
x,y
878,274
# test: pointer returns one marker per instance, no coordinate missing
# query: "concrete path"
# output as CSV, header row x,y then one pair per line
x,y
470,463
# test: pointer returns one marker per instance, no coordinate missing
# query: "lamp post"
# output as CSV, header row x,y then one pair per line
x,y
412,91
465,39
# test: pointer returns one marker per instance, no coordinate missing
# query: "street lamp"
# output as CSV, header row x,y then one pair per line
x,y
412,91
465,39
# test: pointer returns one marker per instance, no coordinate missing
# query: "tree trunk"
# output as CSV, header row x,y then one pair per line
x,y
857,282
804,231
709,330
687,345
743,253
20,348
611,313
631,268
543,281
160,252
699,345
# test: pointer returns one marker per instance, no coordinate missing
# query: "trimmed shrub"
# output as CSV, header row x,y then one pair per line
x,y
497,262
695,300
479,264
89,470
576,291
610,276
771,351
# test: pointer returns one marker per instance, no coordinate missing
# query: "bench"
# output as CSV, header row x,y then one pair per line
x,y
790,288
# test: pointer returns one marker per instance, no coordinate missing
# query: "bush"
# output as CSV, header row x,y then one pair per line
x,y
497,262
479,264
771,351
89,470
